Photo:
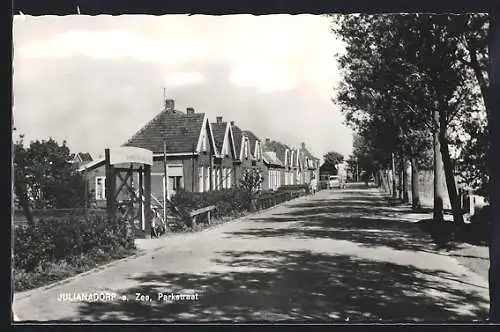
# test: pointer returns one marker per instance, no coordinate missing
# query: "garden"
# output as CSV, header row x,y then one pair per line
x,y
61,238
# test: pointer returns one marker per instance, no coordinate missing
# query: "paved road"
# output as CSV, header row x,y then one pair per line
x,y
336,256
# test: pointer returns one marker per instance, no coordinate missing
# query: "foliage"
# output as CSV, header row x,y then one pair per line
x,y
227,202
333,158
294,187
48,272
230,202
251,180
43,170
56,239
393,86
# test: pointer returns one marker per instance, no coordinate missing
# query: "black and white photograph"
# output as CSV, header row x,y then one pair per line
x,y
241,168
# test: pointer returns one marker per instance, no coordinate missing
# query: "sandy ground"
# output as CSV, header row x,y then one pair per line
x,y
340,255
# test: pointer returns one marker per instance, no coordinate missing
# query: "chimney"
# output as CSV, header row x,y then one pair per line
x,y
169,104
190,111
303,145
219,119
232,123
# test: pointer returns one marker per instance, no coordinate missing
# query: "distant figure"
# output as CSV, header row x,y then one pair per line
x,y
342,174
313,185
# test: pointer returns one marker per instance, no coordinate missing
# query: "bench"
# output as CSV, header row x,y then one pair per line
x,y
195,213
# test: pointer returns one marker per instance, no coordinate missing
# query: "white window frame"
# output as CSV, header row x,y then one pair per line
x,y
218,177
103,178
201,182
206,179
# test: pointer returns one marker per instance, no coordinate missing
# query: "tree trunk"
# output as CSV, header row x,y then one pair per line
x,y
394,185
494,122
450,179
477,71
406,198
438,173
415,188
401,177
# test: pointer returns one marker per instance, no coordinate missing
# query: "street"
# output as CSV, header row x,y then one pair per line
x,y
339,255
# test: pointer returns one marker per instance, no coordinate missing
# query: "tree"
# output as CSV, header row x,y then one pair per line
x,y
333,158
251,183
20,179
44,173
391,75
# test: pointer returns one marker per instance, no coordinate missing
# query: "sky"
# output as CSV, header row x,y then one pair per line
x,y
95,80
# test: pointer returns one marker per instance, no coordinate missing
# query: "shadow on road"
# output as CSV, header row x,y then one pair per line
x,y
298,286
280,285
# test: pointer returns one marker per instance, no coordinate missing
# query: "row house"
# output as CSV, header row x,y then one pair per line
x,y
204,156
190,150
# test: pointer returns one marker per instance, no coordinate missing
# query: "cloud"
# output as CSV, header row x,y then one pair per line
x,y
102,76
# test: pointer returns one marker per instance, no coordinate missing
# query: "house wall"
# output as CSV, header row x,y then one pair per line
x,y
219,165
240,167
275,182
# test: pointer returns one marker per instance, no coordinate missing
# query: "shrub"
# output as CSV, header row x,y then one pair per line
x,y
56,239
227,202
231,202
295,187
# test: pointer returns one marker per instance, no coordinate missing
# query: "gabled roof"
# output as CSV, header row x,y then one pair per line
x,y
270,158
278,148
308,154
238,135
181,131
253,139
219,130
222,131
83,157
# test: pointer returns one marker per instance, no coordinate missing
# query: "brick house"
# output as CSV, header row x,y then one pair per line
x,y
256,154
190,150
282,152
310,166
243,152
274,165
224,167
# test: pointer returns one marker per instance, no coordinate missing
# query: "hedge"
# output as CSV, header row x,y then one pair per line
x,y
55,239
295,187
233,201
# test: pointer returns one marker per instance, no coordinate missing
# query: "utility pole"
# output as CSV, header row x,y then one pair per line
x,y
165,182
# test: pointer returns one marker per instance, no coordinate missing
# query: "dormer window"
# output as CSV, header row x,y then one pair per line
x,y
286,158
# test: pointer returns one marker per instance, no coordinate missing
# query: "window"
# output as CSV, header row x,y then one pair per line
x,y
175,181
100,188
218,179
229,178
246,148
207,179
214,179
200,179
